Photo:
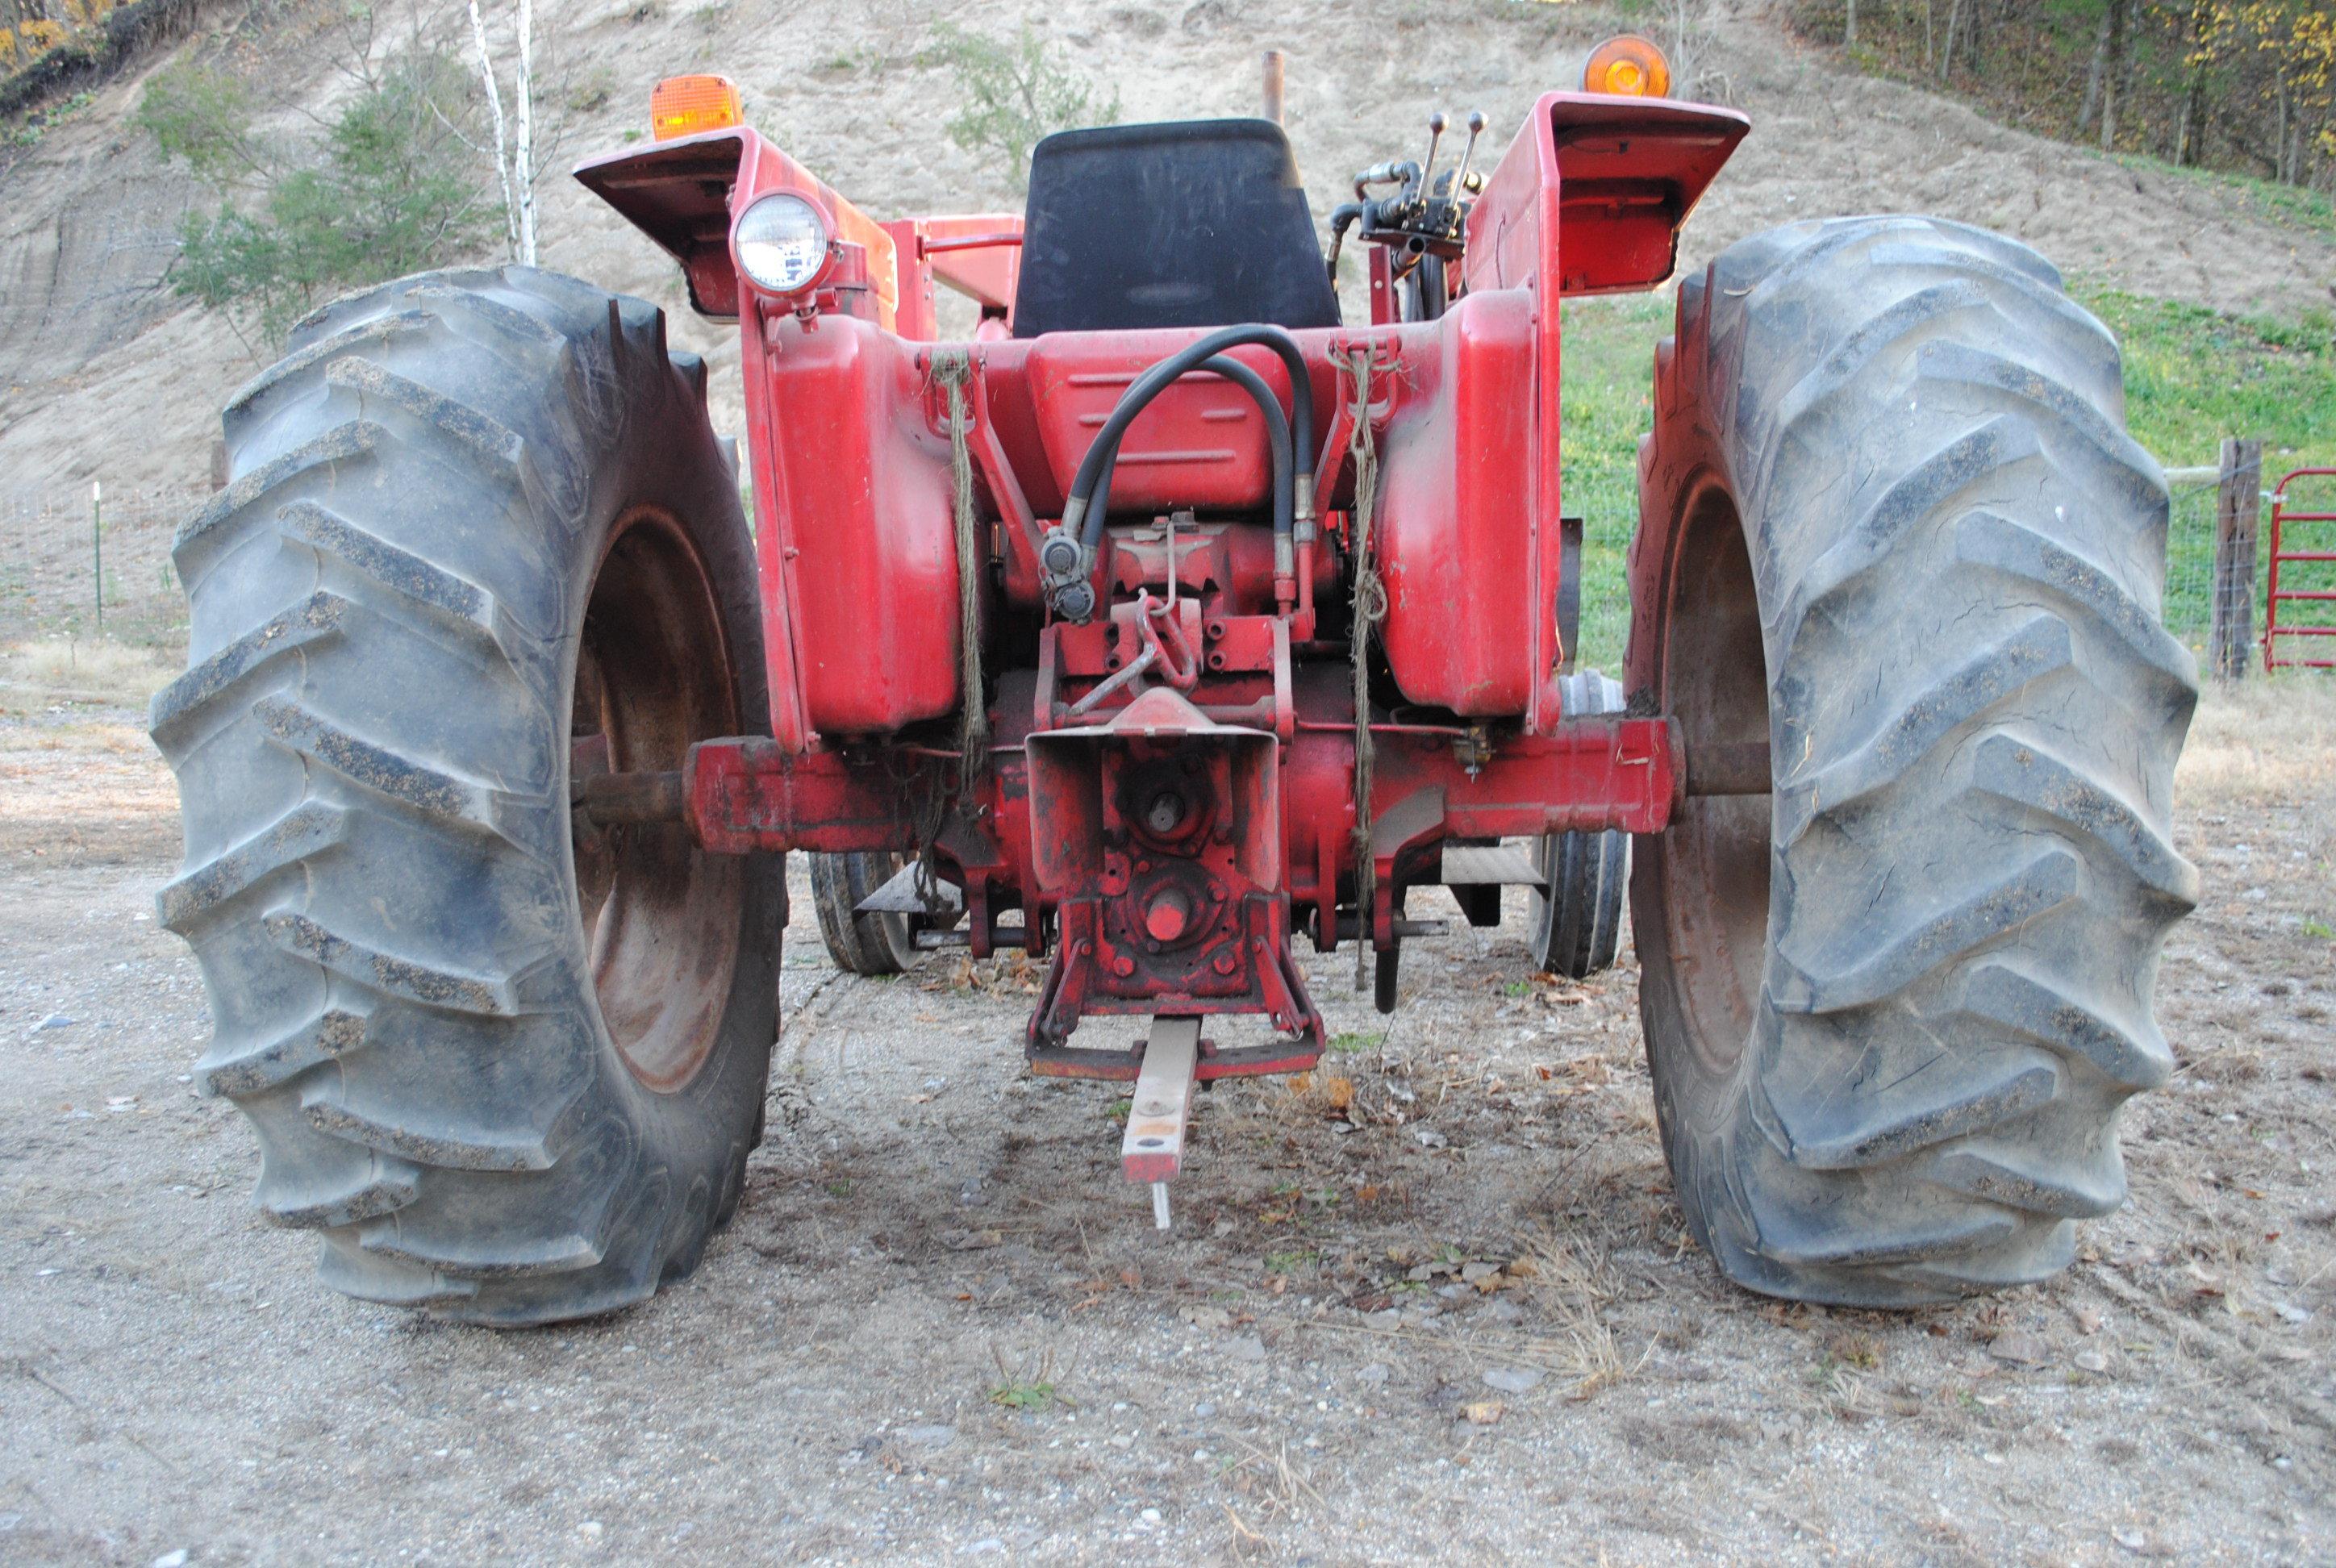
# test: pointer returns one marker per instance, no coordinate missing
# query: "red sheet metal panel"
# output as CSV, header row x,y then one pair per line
x,y
856,535
1457,514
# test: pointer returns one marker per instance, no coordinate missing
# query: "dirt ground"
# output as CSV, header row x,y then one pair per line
x,y
1437,1302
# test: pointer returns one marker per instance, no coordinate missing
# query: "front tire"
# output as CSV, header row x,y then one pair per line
x,y
479,538
1576,912
871,943
1893,533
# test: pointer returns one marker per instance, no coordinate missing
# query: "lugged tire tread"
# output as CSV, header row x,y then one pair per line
x,y
244,1067
477,1179
382,771
2023,771
1986,539
442,1148
1934,715
385,1187
2006,999
1913,1112
243,405
188,705
1957,1000
1947,473
214,521
307,829
1985,914
490,995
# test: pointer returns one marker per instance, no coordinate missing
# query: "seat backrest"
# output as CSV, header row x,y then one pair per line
x,y
1190,223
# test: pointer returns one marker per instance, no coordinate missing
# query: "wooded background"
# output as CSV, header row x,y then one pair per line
x,y
2241,86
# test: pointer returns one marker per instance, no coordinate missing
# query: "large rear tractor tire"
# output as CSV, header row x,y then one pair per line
x,y
1893,531
479,538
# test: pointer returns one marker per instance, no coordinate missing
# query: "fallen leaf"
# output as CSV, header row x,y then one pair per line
x,y
1483,1412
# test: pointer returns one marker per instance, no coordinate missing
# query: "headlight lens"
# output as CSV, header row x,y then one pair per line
x,y
782,243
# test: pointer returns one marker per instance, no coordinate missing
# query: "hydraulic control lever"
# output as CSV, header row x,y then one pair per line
x,y
1425,216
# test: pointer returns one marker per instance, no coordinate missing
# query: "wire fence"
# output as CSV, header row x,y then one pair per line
x,y
72,568
53,551
1608,503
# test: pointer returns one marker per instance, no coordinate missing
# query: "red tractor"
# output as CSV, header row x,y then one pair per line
x,y
1163,624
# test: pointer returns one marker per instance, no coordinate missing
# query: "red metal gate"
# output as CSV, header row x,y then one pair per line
x,y
2323,590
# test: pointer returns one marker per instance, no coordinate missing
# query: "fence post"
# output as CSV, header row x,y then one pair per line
x,y
2238,510
97,550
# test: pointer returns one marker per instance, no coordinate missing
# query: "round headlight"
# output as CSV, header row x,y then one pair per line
x,y
782,242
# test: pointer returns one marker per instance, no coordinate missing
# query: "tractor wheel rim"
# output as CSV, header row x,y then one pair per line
x,y
1715,854
661,917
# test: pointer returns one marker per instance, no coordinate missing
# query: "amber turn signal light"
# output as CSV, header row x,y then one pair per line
x,y
1628,67
685,105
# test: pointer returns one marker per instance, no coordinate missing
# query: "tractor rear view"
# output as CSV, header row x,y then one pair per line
x,y
1167,624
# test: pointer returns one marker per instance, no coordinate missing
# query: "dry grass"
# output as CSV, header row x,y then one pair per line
x,y
2261,739
1573,1284
57,670
77,736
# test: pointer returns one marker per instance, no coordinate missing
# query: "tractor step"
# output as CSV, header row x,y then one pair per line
x,y
1478,865
1153,1147
899,896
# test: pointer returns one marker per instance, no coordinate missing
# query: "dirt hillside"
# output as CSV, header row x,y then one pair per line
x,y
105,374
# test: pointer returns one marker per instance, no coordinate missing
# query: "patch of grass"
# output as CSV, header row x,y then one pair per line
x,y
2319,929
68,669
1350,1043
2193,376
2261,739
2294,204
1291,1262
1609,396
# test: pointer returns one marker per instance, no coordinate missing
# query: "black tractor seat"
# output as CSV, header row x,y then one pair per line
x,y
1186,223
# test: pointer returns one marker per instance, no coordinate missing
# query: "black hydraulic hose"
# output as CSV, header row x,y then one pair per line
x,y
1342,217
1277,434
1084,521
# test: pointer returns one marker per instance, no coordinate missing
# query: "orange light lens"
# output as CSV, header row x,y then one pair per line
x,y
1628,67
684,105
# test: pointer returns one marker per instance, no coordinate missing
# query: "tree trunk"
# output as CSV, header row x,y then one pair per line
x,y
2113,69
524,138
1930,55
495,124
1947,52
2093,79
1849,26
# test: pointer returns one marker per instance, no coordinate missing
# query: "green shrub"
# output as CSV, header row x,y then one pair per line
x,y
397,186
1013,94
